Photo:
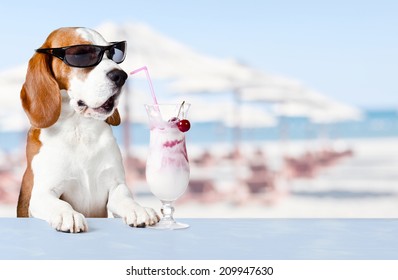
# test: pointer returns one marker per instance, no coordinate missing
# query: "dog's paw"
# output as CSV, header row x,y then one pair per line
x,y
70,221
153,216
141,217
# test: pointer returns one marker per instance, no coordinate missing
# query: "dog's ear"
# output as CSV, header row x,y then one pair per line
x,y
114,119
40,95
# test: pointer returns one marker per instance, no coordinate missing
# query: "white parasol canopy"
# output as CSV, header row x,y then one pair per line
x,y
248,116
167,58
319,112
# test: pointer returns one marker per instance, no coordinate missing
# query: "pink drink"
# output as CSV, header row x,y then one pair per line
x,y
167,169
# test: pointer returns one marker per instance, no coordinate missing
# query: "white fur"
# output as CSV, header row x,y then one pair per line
x,y
78,171
81,87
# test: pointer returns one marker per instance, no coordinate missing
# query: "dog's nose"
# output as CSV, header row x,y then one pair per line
x,y
117,76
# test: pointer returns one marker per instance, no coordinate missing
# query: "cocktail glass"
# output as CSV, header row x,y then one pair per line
x,y
167,167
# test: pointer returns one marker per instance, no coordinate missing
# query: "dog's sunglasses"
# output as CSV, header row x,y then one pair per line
x,y
83,56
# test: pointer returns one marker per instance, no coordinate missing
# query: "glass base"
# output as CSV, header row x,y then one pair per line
x,y
167,221
169,225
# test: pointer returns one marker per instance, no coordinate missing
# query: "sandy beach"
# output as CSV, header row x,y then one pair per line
x,y
364,185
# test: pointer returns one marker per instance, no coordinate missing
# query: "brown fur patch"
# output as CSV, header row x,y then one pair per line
x,y
114,119
64,37
32,149
40,93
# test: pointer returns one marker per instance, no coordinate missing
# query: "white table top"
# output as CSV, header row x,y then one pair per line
x,y
219,239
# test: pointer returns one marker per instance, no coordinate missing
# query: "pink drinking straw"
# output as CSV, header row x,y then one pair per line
x,y
155,101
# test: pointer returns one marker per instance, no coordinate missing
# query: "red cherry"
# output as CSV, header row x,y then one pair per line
x,y
184,125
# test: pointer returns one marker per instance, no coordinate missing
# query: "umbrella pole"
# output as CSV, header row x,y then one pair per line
x,y
237,128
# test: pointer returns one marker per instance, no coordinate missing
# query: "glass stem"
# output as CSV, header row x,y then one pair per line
x,y
167,210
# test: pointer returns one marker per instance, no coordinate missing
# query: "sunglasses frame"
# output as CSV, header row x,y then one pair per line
x,y
61,52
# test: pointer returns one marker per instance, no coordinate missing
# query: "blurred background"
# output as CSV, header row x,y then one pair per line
x,y
294,103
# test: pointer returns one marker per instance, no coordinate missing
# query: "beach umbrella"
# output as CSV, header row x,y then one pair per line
x,y
275,89
318,110
251,117
335,111
223,112
166,58
294,100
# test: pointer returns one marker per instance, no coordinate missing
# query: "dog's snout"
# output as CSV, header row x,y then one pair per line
x,y
119,77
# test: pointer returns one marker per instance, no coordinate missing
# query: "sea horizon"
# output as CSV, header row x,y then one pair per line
x,y
375,123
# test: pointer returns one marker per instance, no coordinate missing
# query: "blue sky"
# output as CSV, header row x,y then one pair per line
x,y
347,50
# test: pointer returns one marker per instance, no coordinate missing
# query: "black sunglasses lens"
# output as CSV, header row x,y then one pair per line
x,y
117,52
82,56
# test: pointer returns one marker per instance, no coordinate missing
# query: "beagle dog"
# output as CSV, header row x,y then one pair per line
x,y
74,165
